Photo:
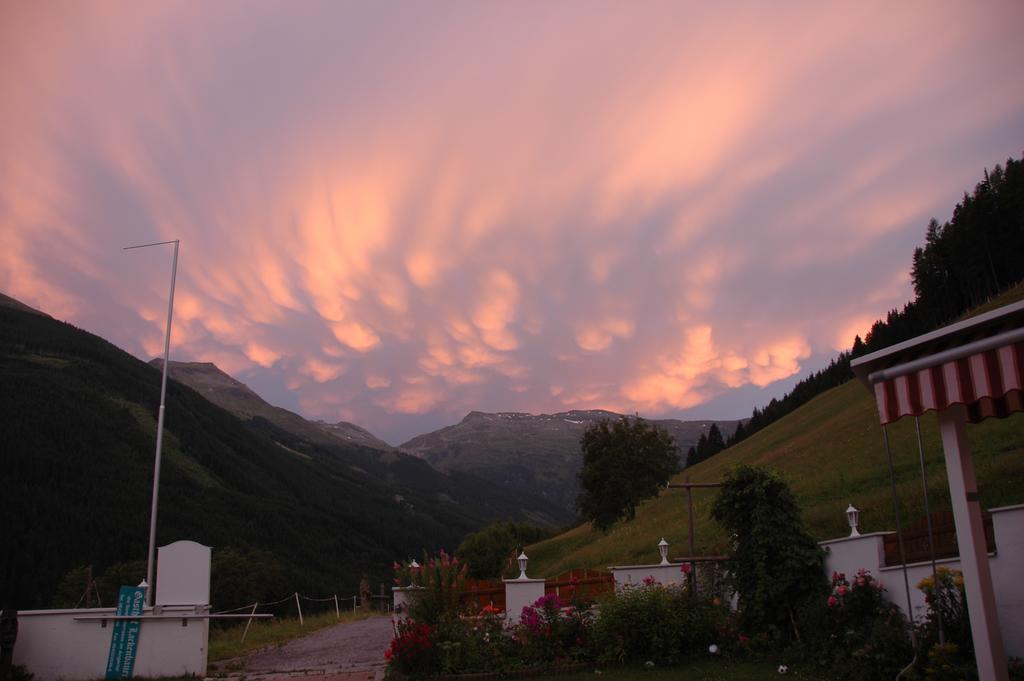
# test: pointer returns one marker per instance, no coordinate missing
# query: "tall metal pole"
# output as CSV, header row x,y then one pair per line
x,y
160,422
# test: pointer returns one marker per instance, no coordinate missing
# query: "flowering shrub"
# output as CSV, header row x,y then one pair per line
x,y
412,649
552,630
945,599
944,596
478,643
437,597
858,634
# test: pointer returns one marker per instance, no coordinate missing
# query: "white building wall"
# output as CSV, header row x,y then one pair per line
x,y
850,554
628,575
62,645
54,645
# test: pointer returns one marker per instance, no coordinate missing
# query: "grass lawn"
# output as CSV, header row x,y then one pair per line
x,y
830,452
227,643
704,670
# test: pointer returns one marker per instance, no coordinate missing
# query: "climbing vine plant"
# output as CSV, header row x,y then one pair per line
x,y
776,566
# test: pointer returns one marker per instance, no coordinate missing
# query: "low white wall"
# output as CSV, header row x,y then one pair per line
x,y
627,575
520,593
850,554
57,645
54,646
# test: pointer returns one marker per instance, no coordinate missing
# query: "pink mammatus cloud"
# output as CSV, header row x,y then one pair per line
x,y
397,213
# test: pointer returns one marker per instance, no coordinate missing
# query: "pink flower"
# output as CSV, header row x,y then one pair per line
x,y
841,590
832,602
649,581
685,569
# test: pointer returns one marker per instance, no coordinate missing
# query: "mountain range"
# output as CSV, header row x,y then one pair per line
x,y
532,455
78,421
330,501
528,452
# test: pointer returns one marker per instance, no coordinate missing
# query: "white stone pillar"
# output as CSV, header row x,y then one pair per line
x,y
970,532
401,597
520,593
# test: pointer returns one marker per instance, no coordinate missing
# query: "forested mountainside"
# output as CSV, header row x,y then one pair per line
x,y
965,262
77,416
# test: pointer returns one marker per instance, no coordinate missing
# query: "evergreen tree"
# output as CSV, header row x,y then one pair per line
x,y
716,442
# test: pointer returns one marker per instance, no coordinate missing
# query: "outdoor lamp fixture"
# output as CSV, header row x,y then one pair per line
x,y
523,560
852,516
663,550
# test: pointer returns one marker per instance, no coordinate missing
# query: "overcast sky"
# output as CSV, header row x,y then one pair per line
x,y
394,213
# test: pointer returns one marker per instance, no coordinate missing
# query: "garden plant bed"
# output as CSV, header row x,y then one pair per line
x,y
532,673
702,670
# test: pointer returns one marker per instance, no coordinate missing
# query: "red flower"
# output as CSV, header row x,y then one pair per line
x,y
832,601
685,569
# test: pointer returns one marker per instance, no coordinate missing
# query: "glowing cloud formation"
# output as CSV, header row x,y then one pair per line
x,y
396,212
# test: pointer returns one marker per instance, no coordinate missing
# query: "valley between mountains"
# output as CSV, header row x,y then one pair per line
x,y
318,505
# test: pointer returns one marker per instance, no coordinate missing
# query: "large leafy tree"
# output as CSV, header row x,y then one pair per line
x,y
494,548
624,462
775,565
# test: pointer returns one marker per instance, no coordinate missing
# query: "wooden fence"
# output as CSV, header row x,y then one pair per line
x,y
582,584
477,593
915,539
574,584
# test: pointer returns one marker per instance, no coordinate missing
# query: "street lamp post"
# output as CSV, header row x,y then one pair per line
x,y
159,421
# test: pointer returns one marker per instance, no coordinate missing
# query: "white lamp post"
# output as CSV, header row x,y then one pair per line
x,y
523,560
159,421
663,550
853,516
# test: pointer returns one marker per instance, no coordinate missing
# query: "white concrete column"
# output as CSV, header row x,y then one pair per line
x,y
520,593
401,598
970,532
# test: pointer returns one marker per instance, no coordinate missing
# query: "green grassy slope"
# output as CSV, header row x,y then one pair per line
x,y
831,453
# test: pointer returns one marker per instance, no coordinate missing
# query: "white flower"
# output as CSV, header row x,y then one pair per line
x,y
783,669
713,649
649,663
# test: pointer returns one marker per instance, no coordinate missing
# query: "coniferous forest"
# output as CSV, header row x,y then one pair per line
x,y
964,262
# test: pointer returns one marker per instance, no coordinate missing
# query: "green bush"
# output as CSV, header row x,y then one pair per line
x,y
775,565
856,633
946,662
16,672
493,550
656,623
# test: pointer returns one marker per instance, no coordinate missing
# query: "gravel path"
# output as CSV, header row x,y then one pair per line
x,y
353,649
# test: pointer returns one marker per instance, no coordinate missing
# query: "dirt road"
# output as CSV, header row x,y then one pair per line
x,y
353,650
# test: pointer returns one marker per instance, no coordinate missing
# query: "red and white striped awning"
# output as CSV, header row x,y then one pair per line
x,y
978,363
987,383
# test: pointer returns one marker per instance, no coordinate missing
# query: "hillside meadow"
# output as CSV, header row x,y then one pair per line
x,y
831,453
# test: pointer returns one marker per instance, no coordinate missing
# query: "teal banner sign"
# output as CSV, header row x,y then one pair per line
x,y
124,642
